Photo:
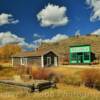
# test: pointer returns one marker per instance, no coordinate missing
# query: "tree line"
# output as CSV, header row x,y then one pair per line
x,y
8,50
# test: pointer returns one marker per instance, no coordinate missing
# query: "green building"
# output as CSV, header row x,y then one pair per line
x,y
80,54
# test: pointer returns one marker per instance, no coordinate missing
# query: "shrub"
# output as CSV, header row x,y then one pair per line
x,y
91,77
55,77
40,73
45,74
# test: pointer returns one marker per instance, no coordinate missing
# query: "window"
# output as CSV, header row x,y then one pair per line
x,y
24,61
73,56
86,56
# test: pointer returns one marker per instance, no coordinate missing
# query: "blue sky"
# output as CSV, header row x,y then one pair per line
x,y
29,21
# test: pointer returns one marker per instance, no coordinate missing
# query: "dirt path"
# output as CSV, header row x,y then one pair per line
x,y
82,66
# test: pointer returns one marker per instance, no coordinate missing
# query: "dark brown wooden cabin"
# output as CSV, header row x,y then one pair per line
x,y
40,58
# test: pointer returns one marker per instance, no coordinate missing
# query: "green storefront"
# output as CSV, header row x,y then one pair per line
x,y
80,54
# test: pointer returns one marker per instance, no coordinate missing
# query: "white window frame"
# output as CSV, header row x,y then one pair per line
x,y
23,61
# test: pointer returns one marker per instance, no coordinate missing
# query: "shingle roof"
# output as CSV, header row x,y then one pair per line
x,y
31,53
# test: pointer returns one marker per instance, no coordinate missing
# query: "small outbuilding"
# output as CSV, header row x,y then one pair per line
x,y
40,58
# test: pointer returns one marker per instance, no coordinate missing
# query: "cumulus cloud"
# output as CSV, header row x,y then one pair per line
x,y
56,38
9,38
96,32
53,15
26,45
95,5
7,19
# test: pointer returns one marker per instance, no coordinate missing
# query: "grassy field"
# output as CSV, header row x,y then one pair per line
x,y
7,72
63,91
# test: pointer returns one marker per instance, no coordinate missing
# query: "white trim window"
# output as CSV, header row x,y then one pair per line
x,y
23,61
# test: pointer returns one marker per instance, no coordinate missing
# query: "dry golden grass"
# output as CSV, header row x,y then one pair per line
x,y
73,69
5,64
7,72
64,92
65,70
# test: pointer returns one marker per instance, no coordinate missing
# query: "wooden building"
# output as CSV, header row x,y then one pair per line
x,y
80,54
40,58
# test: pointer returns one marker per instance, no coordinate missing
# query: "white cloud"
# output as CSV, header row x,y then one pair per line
x,y
53,15
9,38
56,38
96,32
26,45
36,35
38,42
95,5
7,19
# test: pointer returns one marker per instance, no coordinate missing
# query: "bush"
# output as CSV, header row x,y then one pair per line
x,y
55,77
40,73
45,74
91,77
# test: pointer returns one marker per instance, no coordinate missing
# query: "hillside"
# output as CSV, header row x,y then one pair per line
x,y
62,47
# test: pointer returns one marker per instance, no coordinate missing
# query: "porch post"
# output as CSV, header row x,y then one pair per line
x,y
55,61
21,61
12,61
42,62
26,61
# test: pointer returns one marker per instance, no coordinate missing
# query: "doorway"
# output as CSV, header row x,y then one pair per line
x,y
49,61
80,58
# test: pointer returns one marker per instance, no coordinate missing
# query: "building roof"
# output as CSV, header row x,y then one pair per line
x,y
32,53
80,45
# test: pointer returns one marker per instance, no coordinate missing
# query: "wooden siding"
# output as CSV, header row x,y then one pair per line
x,y
52,55
16,61
34,60
37,60
30,61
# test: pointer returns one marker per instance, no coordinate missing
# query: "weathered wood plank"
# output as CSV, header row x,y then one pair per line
x,y
24,85
33,85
